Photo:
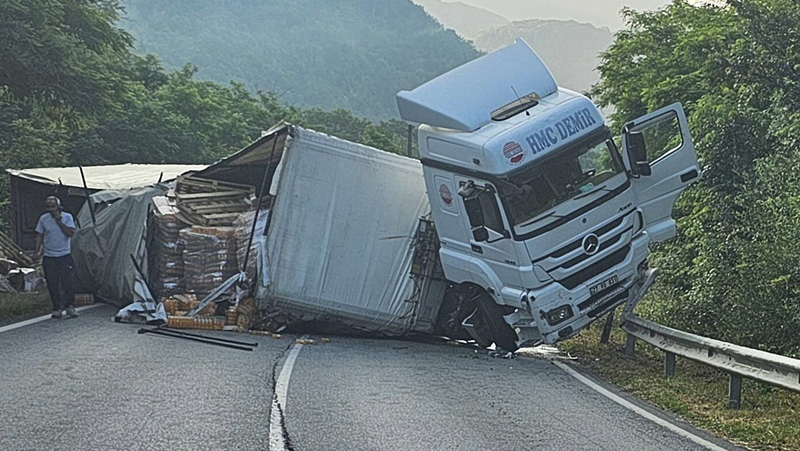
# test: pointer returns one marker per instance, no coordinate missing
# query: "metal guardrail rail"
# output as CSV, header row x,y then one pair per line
x,y
738,361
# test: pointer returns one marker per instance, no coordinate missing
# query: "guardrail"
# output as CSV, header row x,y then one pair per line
x,y
737,361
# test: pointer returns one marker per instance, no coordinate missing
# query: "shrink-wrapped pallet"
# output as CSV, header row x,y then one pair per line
x,y
244,226
167,250
209,256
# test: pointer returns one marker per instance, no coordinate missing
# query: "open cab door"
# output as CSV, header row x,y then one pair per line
x,y
662,162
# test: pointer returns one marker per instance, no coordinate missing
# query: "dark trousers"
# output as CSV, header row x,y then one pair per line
x,y
59,273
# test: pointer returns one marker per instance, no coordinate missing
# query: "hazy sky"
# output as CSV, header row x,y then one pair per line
x,y
603,13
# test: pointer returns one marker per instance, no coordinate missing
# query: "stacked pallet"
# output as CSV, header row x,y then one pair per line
x,y
209,256
167,249
211,202
10,251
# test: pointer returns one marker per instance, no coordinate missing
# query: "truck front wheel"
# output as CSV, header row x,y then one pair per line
x,y
492,314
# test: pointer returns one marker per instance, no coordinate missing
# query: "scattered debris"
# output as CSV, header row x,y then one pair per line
x,y
84,299
502,354
25,279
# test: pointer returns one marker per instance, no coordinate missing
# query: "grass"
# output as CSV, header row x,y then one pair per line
x,y
769,419
22,306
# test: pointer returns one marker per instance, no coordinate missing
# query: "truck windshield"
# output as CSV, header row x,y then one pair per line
x,y
575,172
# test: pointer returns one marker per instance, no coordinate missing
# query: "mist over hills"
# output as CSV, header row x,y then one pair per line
x,y
466,20
570,49
601,13
351,54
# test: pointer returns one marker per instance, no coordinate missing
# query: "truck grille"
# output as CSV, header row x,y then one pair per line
x,y
577,243
570,265
591,271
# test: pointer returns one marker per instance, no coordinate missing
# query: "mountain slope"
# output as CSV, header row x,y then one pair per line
x,y
601,13
466,20
568,48
352,54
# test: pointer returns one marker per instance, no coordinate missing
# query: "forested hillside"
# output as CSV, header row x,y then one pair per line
x,y
570,49
733,272
353,54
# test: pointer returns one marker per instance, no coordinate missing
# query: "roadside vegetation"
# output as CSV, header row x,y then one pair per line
x,y
16,307
733,271
769,418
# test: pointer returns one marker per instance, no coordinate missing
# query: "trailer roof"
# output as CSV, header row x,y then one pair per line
x,y
464,98
120,176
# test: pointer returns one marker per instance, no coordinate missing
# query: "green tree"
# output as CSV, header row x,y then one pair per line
x,y
731,273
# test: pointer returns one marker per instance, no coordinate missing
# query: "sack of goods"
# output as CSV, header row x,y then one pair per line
x,y
167,249
209,257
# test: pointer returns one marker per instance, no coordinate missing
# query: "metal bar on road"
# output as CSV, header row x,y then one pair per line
x,y
173,331
751,363
209,341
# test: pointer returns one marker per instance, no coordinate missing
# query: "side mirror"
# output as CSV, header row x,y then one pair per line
x,y
469,191
480,234
637,152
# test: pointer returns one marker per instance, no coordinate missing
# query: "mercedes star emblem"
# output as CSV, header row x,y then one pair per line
x,y
591,244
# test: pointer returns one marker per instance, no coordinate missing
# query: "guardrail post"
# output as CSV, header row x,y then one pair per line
x,y
735,391
630,346
669,364
607,328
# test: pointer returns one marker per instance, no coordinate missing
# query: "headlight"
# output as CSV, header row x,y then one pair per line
x,y
559,315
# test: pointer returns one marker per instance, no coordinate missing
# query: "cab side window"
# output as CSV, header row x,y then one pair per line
x,y
661,136
484,211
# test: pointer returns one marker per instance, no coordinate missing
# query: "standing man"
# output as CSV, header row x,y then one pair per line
x,y
54,231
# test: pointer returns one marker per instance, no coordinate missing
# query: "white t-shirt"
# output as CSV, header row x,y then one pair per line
x,y
56,242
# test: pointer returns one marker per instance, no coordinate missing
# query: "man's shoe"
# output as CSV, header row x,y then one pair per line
x,y
72,313
56,314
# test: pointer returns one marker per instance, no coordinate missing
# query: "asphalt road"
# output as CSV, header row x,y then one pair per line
x,y
90,384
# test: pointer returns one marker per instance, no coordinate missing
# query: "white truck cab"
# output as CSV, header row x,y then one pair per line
x,y
537,210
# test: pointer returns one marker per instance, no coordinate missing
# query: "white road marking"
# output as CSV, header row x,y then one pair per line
x,y
638,410
277,441
40,319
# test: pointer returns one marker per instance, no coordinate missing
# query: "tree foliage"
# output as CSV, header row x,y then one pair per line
x,y
733,272
72,92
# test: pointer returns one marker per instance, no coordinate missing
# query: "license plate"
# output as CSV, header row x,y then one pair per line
x,y
603,285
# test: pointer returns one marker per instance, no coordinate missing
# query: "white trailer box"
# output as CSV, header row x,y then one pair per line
x,y
340,239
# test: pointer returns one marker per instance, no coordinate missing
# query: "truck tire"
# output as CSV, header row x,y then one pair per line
x,y
502,334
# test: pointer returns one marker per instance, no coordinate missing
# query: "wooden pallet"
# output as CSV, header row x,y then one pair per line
x,y
189,185
211,202
11,251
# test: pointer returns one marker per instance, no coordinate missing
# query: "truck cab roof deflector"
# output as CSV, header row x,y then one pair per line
x,y
464,98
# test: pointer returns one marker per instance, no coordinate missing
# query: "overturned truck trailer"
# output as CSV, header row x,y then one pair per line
x,y
347,240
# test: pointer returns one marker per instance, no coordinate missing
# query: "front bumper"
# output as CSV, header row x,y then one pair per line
x,y
584,306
